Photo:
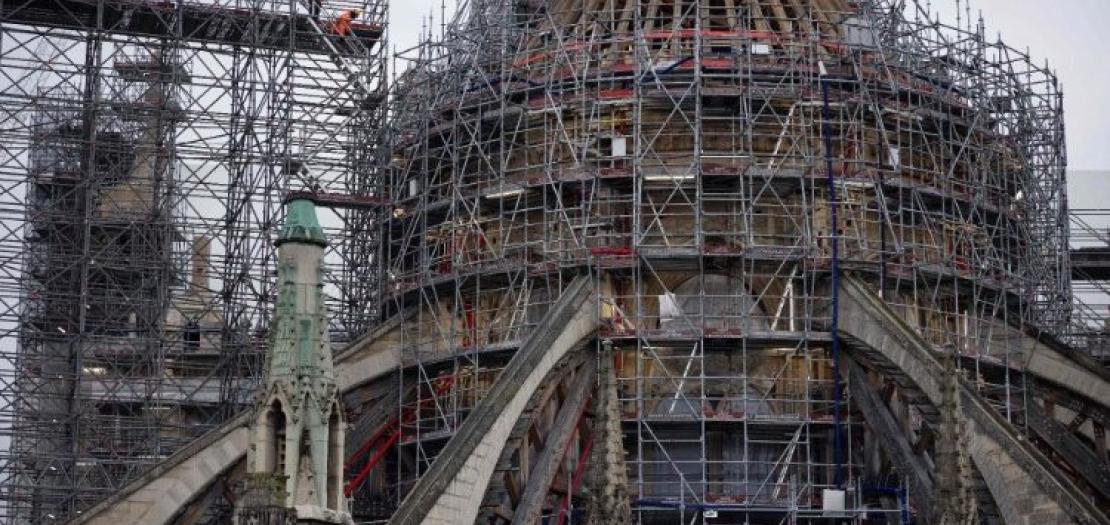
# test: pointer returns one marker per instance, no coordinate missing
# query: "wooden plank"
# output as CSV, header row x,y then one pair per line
x,y
802,14
625,21
785,25
549,460
761,22
893,440
731,15
649,18
1074,452
512,486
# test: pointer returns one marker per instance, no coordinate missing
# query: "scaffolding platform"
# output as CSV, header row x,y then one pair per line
x,y
199,22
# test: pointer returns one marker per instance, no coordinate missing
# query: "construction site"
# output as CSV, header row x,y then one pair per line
x,y
577,261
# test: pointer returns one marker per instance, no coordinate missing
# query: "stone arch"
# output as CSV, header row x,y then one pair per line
x,y
727,304
272,426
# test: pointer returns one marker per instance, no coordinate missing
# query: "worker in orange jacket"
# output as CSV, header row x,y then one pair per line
x,y
342,26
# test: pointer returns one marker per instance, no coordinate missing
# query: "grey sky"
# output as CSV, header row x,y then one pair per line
x,y
1072,36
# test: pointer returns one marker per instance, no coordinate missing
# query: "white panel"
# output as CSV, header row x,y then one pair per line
x,y
620,146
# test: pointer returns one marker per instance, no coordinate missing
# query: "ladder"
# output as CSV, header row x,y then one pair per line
x,y
357,49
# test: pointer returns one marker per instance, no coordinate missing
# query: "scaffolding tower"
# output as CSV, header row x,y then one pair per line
x,y
712,164
1090,244
146,150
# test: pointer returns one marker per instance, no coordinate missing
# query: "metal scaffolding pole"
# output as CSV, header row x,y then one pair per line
x,y
147,148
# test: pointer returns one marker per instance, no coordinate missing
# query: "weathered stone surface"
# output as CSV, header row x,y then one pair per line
x,y
298,428
363,361
1023,488
609,498
1022,482
451,492
159,495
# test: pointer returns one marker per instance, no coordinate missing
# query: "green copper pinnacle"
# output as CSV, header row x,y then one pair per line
x,y
300,319
301,224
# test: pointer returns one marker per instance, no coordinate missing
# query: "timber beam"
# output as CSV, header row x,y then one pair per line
x,y
893,441
555,446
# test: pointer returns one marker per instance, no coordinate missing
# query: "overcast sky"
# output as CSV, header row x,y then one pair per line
x,y
1071,34
1073,37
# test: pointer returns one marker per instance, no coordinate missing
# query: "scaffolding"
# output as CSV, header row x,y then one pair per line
x,y
683,153
1090,244
147,148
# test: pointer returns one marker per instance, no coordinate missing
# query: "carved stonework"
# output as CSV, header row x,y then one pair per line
x,y
298,430
608,484
262,501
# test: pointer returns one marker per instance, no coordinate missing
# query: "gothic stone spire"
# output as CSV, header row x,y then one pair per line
x,y
297,435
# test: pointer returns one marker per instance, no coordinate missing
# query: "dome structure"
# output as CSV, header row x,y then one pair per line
x,y
711,164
